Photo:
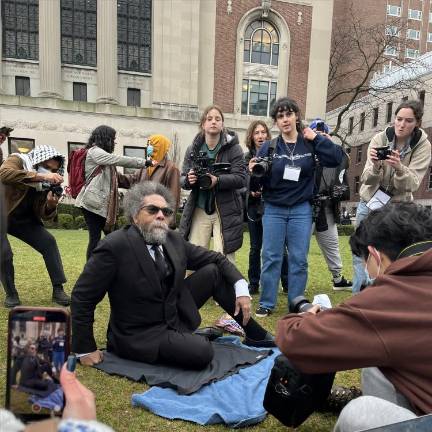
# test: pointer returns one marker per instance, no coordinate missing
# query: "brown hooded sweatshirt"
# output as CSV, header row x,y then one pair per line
x,y
388,325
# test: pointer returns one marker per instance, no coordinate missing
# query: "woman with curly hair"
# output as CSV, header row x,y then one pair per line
x,y
258,132
98,199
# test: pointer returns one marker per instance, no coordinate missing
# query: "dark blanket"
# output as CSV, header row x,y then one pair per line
x,y
227,360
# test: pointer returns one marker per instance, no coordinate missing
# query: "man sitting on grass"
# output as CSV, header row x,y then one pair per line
x,y
154,309
386,329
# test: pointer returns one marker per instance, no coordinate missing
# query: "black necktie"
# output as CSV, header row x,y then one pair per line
x,y
160,263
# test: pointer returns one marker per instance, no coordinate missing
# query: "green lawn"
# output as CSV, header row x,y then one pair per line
x,y
112,393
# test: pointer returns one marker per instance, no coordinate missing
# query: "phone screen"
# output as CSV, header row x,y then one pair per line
x,y
38,345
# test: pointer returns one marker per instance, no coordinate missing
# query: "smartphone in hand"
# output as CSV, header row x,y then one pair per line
x,y
38,346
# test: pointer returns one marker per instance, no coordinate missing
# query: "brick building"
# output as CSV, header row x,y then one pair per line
x,y
372,114
150,66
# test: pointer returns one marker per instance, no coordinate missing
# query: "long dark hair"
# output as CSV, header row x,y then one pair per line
x,y
103,137
250,131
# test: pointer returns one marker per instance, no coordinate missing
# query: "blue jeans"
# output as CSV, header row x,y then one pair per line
x,y
254,271
360,275
291,226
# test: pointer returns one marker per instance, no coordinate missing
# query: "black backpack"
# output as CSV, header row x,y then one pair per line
x,y
292,396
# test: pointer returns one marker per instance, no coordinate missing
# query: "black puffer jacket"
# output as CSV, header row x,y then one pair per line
x,y
228,200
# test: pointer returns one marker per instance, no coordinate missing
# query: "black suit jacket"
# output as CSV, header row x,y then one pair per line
x,y
121,266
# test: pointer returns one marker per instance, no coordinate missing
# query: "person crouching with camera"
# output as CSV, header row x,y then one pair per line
x,y
31,194
398,159
286,167
214,170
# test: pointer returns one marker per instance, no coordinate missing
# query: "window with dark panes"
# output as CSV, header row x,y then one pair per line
x,y
133,152
375,117
389,112
258,97
430,179
362,121
350,125
359,154
421,96
20,29
134,35
78,32
22,86
133,97
20,145
356,184
261,43
72,146
80,92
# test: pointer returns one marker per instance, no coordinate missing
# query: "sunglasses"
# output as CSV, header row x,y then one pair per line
x,y
152,209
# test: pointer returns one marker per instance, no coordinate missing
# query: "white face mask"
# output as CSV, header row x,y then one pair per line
x,y
379,264
42,170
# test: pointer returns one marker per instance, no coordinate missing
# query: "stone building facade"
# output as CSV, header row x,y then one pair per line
x,y
151,66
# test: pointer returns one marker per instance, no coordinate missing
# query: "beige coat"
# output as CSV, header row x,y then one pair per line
x,y
400,184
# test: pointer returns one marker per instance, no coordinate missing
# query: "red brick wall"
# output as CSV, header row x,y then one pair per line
x,y
225,49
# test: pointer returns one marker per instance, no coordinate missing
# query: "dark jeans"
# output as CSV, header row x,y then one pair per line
x,y
256,240
95,225
192,351
35,235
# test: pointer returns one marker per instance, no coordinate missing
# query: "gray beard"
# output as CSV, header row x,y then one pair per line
x,y
154,233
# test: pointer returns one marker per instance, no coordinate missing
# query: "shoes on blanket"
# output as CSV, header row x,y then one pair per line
x,y
211,333
227,323
267,342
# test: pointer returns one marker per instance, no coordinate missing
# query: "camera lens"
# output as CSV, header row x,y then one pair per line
x,y
204,181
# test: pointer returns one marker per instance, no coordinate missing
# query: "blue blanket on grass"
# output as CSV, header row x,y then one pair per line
x,y
236,400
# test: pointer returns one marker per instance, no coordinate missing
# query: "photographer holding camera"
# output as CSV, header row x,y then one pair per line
x,y
332,188
214,170
386,329
398,159
32,190
286,169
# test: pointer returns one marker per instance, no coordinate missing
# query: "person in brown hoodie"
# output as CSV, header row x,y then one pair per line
x,y
386,329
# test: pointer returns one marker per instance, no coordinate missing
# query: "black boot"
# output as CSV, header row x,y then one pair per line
x,y
59,296
12,297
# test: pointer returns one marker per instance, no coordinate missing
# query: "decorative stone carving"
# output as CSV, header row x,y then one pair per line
x,y
265,6
299,18
229,7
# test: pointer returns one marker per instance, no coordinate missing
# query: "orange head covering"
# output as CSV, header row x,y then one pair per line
x,y
161,145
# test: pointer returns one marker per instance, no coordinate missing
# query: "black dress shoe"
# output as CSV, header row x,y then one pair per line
x,y
267,342
211,333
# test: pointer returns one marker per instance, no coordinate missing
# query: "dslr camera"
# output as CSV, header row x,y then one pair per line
x,y
202,167
383,152
320,126
262,166
302,304
56,190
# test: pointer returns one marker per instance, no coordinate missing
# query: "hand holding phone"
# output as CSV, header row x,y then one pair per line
x,y
38,345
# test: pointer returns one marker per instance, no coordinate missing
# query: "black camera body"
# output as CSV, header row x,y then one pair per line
x,y
320,126
383,152
202,167
56,190
301,304
262,166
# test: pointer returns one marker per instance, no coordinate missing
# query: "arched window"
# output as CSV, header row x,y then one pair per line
x,y
261,43
78,32
20,24
134,35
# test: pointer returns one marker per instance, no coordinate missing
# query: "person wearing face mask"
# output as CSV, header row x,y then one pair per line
x,y
386,329
164,171
31,194
258,132
214,206
398,159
